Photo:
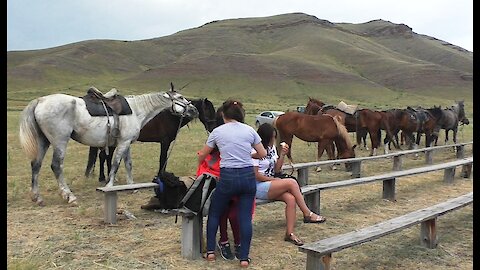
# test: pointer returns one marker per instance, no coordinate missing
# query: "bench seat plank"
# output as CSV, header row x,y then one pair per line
x,y
127,187
394,174
339,242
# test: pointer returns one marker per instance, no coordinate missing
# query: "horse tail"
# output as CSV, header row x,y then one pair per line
x,y
29,130
342,130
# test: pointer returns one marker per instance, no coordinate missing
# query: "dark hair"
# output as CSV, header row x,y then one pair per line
x,y
266,132
233,109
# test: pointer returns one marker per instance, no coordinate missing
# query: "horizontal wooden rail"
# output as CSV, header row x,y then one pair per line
x,y
302,168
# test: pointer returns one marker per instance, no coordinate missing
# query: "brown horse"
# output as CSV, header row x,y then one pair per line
x,y
419,121
323,129
315,106
374,122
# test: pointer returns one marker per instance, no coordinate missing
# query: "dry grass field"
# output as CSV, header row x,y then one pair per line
x,y
59,236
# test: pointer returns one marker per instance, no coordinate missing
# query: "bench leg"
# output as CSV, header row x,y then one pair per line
x,y
448,175
356,169
397,163
318,262
466,170
429,157
110,207
428,233
191,228
302,177
312,200
389,189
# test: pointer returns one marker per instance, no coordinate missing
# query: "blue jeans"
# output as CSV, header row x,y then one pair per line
x,y
233,181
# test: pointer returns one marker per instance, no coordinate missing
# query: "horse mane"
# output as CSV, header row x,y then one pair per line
x,y
342,131
145,102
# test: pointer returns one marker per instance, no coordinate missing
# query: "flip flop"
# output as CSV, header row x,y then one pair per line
x,y
292,238
309,219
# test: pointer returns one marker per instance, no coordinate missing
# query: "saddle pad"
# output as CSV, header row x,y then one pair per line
x,y
97,109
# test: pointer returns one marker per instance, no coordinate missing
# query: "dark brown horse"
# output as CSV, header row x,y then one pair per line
x,y
323,129
163,128
374,122
315,106
419,121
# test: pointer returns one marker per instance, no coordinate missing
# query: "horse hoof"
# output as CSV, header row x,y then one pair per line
x,y
319,169
72,200
334,168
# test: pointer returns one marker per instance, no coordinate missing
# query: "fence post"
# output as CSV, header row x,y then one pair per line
x,y
460,151
302,176
356,169
429,157
397,163
389,189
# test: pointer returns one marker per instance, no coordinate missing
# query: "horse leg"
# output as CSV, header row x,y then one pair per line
x,y
57,168
92,158
162,162
127,159
36,165
117,158
330,148
446,136
322,145
104,157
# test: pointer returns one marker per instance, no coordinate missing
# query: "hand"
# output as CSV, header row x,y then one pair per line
x,y
285,148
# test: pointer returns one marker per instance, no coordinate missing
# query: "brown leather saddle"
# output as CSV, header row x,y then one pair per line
x,y
110,104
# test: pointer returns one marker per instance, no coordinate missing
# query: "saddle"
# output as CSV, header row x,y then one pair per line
x,y
419,114
109,104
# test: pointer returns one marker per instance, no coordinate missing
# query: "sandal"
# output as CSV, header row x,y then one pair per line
x,y
292,238
210,256
245,262
319,219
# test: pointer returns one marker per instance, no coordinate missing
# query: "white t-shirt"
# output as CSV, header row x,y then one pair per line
x,y
235,141
266,165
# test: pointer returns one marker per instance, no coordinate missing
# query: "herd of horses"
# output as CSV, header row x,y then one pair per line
x,y
158,117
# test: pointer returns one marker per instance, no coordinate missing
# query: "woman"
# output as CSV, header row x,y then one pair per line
x,y
286,189
235,141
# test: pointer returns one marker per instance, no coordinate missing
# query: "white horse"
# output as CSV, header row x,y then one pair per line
x,y
54,119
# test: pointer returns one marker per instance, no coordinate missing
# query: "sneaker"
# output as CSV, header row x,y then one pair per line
x,y
225,251
237,251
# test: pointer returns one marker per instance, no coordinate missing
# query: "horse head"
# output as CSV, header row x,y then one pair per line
x,y
313,106
180,105
206,113
459,107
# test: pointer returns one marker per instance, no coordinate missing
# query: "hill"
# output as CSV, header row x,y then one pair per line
x,y
279,59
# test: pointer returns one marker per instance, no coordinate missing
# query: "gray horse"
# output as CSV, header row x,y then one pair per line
x,y
54,119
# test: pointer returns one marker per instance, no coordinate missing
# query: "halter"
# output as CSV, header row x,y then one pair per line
x,y
175,101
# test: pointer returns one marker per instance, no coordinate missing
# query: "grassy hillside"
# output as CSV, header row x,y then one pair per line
x,y
281,60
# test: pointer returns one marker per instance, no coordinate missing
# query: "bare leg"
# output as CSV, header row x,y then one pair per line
x,y
279,187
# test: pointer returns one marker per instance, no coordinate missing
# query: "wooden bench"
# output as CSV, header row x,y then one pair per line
x,y
319,254
312,192
192,225
111,197
302,168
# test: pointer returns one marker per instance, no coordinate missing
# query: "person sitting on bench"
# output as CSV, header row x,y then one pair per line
x,y
287,190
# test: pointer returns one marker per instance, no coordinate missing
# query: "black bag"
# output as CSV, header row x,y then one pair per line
x,y
197,198
172,192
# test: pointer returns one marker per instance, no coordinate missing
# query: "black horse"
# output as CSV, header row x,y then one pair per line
x,y
163,128
452,116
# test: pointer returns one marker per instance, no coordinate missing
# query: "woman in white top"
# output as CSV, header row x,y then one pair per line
x,y
287,190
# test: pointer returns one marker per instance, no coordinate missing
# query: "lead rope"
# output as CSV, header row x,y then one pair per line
x,y
174,141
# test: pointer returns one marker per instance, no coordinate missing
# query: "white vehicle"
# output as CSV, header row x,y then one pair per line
x,y
266,117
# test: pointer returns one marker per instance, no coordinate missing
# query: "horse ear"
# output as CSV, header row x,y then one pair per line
x,y
353,147
171,87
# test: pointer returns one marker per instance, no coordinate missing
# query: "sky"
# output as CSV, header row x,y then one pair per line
x,y
40,24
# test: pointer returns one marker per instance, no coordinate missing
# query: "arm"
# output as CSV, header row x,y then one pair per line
x,y
261,177
202,153
261,152
281,157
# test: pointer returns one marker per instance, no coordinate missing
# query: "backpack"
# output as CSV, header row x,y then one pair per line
x,y
170,191
197,199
